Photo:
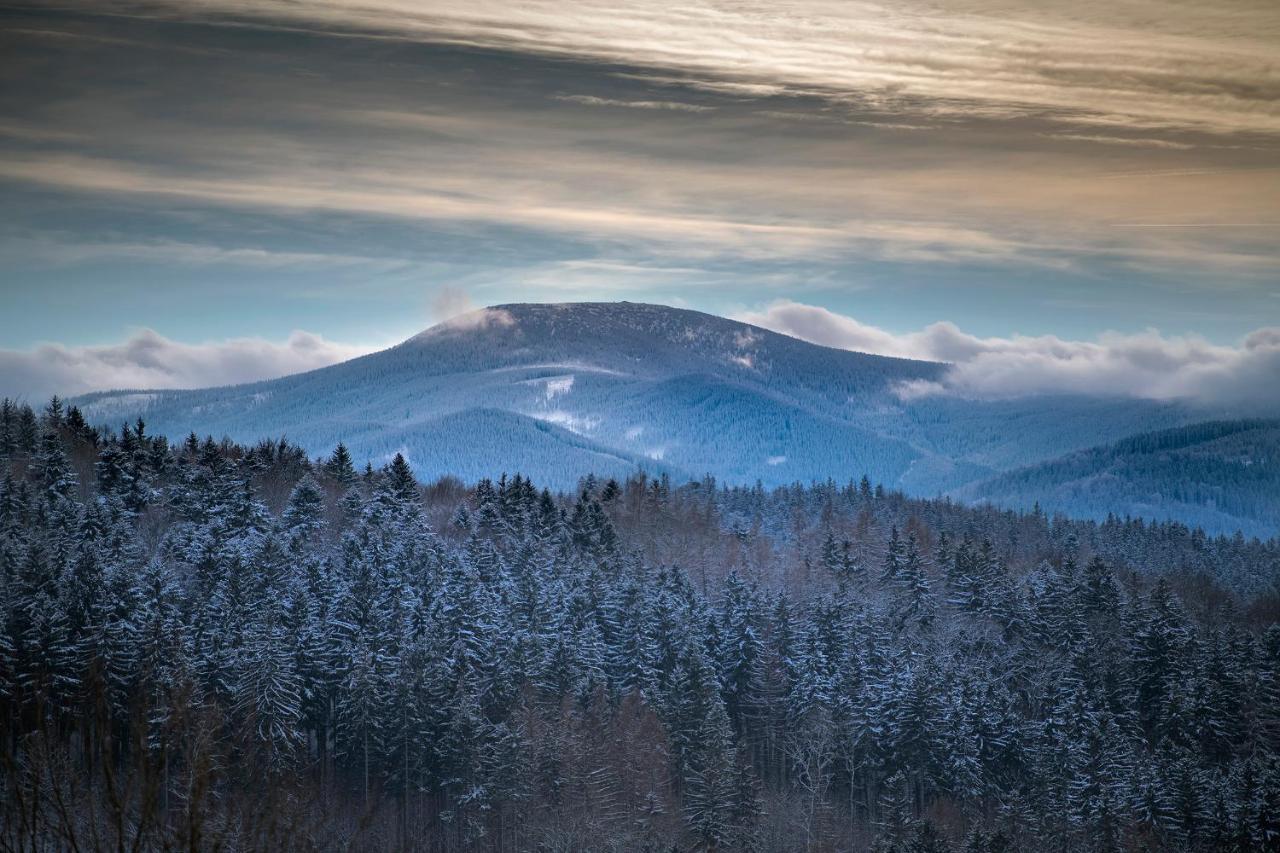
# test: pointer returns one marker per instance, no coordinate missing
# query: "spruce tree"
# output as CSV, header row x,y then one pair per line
x,y
340,468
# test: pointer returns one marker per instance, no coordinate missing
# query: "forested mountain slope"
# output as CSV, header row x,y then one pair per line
x,y
1220,475
691,390
686,390
213,646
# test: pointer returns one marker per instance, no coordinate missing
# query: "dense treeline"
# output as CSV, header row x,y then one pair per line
x,y
210,645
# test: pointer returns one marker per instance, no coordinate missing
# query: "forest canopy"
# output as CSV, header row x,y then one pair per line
x,y
210,644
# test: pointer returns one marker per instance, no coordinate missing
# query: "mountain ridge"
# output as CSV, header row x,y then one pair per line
x,y
657,388
1211,474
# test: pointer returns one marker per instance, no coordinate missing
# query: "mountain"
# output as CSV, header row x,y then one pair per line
x,y
557,390
1220,475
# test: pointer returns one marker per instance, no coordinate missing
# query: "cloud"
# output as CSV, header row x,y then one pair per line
x,y
799,170
454,310
1147,365
889,173
482,318
1135,141
56,250
442,198
700,213
821,326
1141,64
450,301
677,106
148,360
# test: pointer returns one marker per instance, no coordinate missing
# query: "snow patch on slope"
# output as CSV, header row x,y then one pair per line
x,y
569,365
558,385
568,420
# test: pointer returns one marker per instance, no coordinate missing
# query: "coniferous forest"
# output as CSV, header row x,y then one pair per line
x,y
214,646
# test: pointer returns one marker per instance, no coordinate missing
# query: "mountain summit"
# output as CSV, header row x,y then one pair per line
x,y
645,340
557,390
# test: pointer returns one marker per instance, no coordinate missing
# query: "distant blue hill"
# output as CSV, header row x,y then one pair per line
x,y
555,391
1221,475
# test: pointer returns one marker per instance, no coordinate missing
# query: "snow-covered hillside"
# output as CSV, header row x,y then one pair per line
x,y
1222,476
556,390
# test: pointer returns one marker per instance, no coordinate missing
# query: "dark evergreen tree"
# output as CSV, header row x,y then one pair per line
x,y
340,467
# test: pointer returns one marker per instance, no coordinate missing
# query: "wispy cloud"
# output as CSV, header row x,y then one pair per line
x,y
60,250
594,101
1147,365
148,360
650,149
1134,141
1144,64
431,196
1195,225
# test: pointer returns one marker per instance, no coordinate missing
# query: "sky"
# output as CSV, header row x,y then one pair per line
x,y
199,192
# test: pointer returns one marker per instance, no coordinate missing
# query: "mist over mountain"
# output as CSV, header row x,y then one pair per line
x,y
556,390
